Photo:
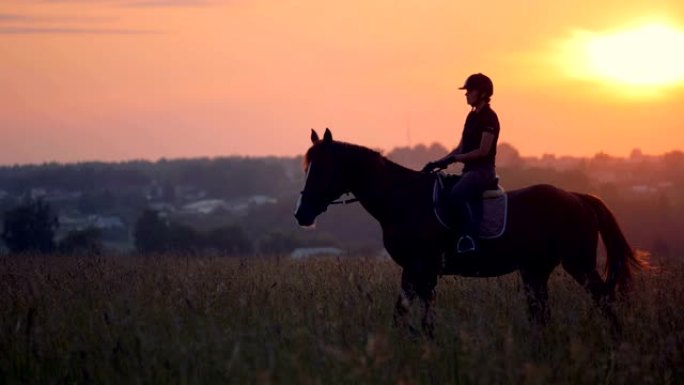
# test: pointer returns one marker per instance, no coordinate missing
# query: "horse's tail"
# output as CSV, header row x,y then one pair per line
x,y
621,257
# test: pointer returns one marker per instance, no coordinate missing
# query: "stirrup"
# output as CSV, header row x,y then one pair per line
x,y
465,244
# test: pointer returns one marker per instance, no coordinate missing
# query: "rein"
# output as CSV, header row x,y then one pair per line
x,y
340,201
344,201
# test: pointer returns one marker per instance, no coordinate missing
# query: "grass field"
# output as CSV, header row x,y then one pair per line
x,y
165,320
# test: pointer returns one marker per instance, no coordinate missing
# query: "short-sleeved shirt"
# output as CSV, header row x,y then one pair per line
x,y
476,123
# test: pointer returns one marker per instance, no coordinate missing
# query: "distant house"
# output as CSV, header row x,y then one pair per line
x,y
188,193
212,206
102,222
72,223
37,192
551,161
643,189
651,189
241,207
261,200
206,206
162,208
106,222
307,252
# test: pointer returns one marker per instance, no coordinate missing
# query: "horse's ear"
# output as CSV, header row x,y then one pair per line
x,y
314,136
327,137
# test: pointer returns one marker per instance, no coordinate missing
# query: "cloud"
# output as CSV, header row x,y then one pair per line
x,y
19,24
143,3
14,18
76,31
11,17
169,3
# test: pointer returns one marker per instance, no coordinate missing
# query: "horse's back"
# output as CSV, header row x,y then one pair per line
x,y
550,215
543,197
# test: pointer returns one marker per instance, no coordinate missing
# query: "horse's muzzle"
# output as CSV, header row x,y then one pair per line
x,y
305,213
305,220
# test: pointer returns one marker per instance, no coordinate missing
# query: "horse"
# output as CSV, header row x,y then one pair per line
x,y
547,226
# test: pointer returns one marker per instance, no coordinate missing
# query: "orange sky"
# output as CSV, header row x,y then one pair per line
x,y
116,80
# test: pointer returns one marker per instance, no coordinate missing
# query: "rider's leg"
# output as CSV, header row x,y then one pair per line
x,y
470,186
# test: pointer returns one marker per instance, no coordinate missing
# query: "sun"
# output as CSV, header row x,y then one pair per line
x,y
646,56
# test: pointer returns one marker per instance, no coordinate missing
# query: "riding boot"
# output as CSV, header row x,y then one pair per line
x,y
467,238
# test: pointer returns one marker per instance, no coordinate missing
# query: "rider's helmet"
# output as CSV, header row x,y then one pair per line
x,y
481,83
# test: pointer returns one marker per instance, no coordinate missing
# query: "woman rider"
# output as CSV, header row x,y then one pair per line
x,y
477,152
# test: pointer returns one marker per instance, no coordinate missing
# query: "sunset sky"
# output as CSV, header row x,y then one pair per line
x,y
143,79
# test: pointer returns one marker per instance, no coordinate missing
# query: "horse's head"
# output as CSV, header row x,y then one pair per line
x,y
325,179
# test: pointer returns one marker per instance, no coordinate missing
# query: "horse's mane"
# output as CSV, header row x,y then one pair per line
x,y
346,150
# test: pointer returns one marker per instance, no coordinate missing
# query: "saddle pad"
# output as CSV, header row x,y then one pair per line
x,y
494,217
494,211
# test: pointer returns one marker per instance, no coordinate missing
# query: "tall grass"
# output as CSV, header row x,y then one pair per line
x,y
117,320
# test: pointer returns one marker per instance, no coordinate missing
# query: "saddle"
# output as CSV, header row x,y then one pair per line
x,y
488,213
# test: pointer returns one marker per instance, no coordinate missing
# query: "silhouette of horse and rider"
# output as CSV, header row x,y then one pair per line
x,y
545,225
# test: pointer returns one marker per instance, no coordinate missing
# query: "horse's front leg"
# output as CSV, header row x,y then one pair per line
x,y
403,305
428,297
423,286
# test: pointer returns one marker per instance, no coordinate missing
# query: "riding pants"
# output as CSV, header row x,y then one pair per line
x,y
470,187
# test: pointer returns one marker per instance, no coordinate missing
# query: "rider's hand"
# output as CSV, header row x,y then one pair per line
x,y
428,167
431,166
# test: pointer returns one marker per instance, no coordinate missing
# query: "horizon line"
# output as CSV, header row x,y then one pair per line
x,y
384,152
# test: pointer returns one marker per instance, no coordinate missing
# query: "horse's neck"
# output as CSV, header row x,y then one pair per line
x,y
377,187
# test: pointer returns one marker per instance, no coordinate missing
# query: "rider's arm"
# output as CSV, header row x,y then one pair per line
x,y
485,147
449,158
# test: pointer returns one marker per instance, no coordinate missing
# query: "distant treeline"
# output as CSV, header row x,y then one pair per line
x,y
219,177
645,192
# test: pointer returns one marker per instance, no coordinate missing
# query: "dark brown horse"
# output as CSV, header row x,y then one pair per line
x,y
547,226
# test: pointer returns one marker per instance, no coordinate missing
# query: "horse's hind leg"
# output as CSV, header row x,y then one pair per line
x,y
593,283
537,294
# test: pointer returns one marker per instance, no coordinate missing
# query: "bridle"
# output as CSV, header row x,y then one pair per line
x,y
344,201
336,202
333,202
